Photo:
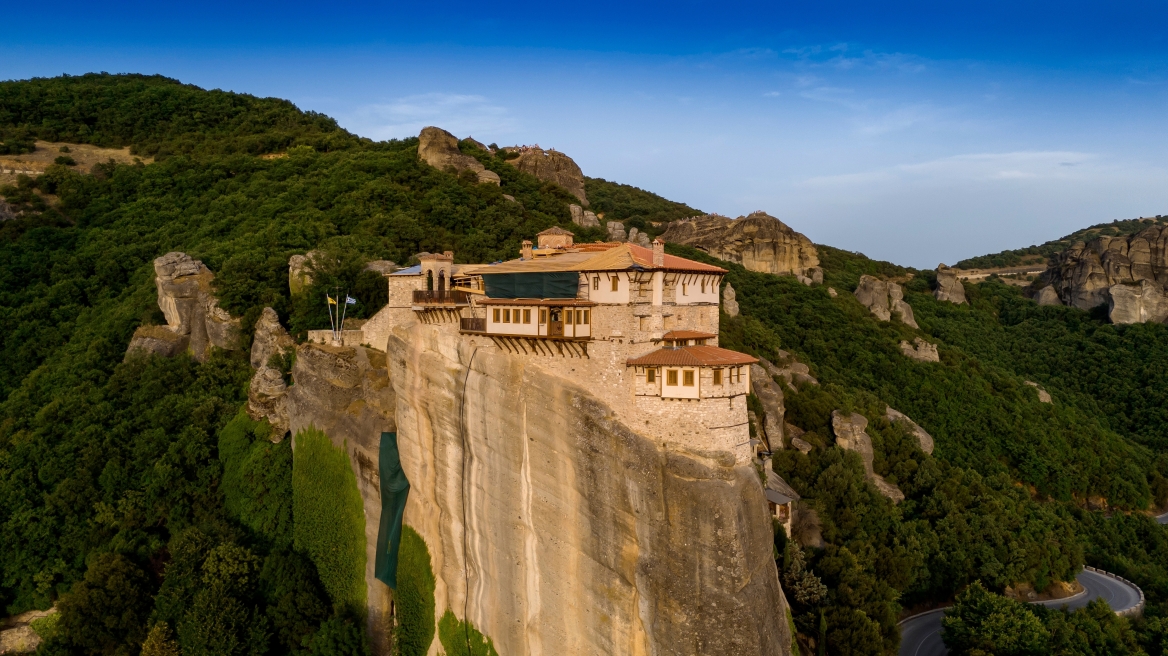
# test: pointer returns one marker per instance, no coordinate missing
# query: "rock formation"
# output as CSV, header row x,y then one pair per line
x,y
884,299
920,350
6,211
384,267
439,149
758,241
553,166
1128,303
581,536
616,231
795,434
851,434
158,340
270,339
582,217
790,370
1047,296
191,310
300,272
1088,275
1043,395
639,238
730,301
770,396
17,635
832,292
923,438
949,288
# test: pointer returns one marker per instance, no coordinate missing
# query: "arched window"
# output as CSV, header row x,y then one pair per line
x,y
441,283
429,281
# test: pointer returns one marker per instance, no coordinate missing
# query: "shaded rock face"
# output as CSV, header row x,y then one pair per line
x,y
6,211
580,535
191,310
730,301
758,241
1047,296
639,238
851,434
949,288
920,350
790,370
345,392
923,437
300,272
158,340
1086,275
582,217
883,299
771,397
1140,303
439,149
616,231
267,399
553,166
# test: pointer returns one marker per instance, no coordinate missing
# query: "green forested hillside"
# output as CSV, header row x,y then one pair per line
x,y
134,494
1039,254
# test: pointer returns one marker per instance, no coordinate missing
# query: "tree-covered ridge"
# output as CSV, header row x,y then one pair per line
x,y
157,117
1039,254
634,206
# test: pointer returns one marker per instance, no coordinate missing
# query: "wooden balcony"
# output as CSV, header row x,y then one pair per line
x,y
440,297
473,325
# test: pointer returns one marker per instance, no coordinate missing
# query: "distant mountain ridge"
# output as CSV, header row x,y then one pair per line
x,y
1040,253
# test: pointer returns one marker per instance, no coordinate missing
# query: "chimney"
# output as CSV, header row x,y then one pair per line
x,y
449,255
658,252
526,250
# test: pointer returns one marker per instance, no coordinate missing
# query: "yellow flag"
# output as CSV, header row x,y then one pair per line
x,y
331,300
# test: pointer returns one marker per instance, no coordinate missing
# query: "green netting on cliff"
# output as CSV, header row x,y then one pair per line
x,y
394,490
552,284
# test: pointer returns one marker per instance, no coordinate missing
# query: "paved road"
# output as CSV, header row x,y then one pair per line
x,y
1163,519
921,635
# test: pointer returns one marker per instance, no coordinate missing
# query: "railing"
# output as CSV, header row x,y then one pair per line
x,y
473,325
440,297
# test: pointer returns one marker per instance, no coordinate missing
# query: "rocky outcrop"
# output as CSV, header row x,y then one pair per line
x,y
758,241
923,438
639,238
770,395
191,310
270,339
584,218
439,149
1047,296
949,288
345,392
883,299
616,231
851,434
267,399
555,528
792,371
920,350
1088,275
1043,395
795,434
1128,303
17,635
553,166
158,340
384,267
6,211
300,272
730,301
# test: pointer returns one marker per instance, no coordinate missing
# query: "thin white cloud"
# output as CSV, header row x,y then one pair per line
x,y
969,167
461,114
772,94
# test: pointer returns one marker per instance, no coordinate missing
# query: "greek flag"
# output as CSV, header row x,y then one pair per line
x,y
349,300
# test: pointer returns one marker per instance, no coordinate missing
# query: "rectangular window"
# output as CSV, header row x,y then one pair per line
x,y
580,317
615,283
717,376
596,283
683,289
703,286
687,378
586,317
506,316
527,316
496,315
671,377
543,316
650,376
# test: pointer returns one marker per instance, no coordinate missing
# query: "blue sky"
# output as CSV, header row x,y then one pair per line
x,y
917,132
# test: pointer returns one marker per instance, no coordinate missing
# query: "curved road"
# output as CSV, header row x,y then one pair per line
x,y
1163,519
921,635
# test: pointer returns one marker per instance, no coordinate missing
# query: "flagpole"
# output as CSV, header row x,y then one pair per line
x,y
344,312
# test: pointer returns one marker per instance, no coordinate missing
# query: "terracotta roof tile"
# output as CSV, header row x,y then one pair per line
x,y
687,334
692,356
554,230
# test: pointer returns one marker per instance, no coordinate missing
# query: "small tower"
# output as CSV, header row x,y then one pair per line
x,y
555,237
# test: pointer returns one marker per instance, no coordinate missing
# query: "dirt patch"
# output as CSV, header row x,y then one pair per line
x,y
1056,590
85,156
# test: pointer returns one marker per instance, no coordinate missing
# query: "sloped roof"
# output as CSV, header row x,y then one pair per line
x,y
692,356
687,334
614,257
777,490
555,230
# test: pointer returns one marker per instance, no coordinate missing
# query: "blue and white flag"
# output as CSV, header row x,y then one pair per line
x,y
349,300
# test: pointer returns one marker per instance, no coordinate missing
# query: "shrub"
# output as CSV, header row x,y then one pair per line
x,y
414,595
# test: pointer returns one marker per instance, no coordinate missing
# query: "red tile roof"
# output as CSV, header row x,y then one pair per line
x,y
692,356
574,302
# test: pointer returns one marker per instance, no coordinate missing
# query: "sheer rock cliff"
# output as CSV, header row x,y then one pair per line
x,y
1128,273
192,312
949,288
758,241
439,149
884,299
552,166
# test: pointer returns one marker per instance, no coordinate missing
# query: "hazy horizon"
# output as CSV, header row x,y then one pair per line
x,y
911,133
